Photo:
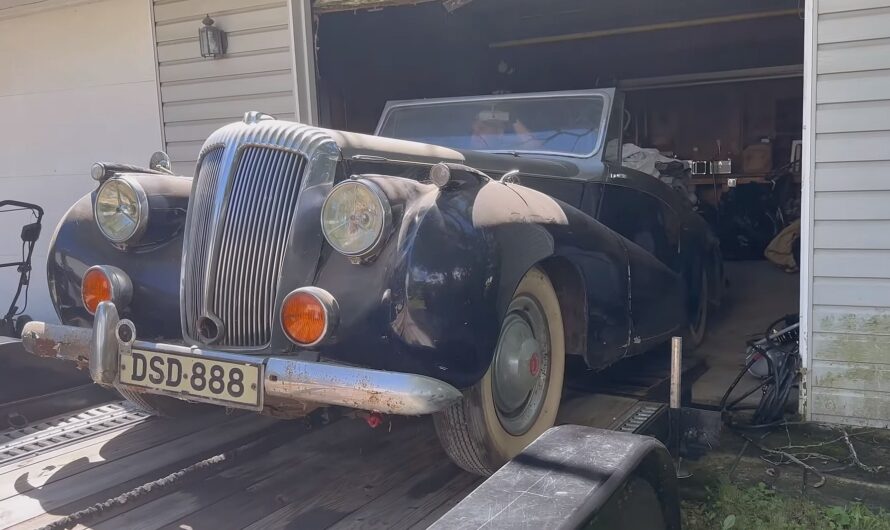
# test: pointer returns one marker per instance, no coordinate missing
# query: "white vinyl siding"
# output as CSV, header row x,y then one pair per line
x,y
200,95
849,372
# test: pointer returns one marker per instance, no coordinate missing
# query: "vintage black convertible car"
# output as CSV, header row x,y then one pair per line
x,y
445,266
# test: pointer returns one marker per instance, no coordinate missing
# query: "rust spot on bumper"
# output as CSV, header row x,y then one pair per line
x,y
42,347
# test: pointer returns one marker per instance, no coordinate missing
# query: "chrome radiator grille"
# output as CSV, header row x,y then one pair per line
x,y
199,238
235,254
253,240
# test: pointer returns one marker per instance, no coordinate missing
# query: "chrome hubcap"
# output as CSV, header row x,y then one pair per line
x,y
521,366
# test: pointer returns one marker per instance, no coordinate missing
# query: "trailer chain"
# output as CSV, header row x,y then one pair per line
x,y
78,517
255,447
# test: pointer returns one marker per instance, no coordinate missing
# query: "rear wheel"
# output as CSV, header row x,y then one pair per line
x,y
519,396
162,405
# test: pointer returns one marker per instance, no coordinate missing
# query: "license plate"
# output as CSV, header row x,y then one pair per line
x,y
221,382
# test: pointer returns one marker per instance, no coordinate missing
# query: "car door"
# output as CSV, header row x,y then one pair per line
x,y
652,231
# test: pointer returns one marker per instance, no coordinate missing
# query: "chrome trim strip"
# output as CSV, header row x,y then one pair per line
x,y
285,380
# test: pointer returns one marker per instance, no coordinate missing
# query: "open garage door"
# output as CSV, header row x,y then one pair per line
x,y
369,56
703,80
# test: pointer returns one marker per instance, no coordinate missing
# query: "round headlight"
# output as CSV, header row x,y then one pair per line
x,y
355,217
121,209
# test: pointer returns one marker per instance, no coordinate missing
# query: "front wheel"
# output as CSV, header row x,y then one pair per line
x,y
518,398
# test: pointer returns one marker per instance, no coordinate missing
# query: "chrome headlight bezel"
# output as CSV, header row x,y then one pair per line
x,y
142,209
385,212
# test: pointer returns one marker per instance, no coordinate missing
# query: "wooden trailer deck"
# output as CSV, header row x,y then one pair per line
x,y
266,473
111,466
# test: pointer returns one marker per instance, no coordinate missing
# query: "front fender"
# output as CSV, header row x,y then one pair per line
x,y
432,301
461,266
154,268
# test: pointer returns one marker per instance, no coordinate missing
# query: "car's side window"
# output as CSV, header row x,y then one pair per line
x,y
643,219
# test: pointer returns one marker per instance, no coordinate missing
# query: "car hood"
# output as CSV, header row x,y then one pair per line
x,y
354,145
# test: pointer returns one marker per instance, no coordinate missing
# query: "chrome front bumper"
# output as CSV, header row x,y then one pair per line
x,y
284,380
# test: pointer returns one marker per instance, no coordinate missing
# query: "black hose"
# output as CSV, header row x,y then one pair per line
x,y
781,351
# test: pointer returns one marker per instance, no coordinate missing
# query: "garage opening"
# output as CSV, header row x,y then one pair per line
x,y
715,86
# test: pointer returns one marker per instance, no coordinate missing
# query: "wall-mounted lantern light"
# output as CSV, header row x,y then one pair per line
x,y
213,40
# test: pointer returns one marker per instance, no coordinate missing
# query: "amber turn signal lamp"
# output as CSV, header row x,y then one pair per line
x,y
105,284
96,288
309,315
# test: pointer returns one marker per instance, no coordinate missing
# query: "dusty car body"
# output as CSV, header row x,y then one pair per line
x,y
414,323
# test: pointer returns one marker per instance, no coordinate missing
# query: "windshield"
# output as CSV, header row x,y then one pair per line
x,y
564,125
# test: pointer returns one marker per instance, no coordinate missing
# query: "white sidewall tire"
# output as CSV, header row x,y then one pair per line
x,y
471,431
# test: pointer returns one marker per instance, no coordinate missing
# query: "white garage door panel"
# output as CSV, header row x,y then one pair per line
x,y
87,45
77,85
64,133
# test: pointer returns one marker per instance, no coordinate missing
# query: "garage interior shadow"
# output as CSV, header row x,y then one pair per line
x,y
514,46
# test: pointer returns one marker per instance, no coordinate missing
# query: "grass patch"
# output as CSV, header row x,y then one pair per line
x,y
761,508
